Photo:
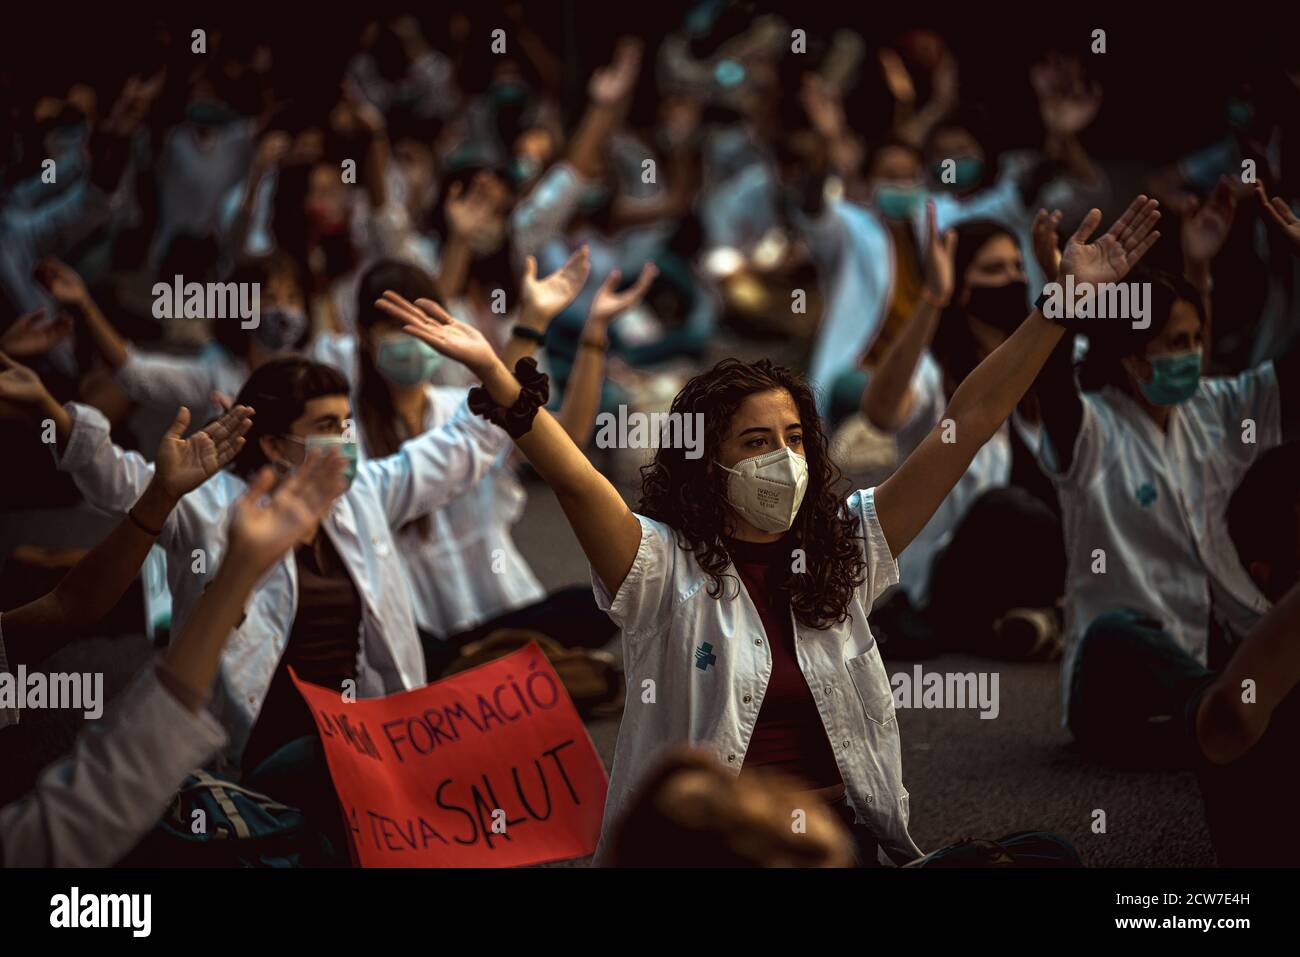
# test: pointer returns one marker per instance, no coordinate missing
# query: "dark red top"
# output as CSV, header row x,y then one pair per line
x,y
789,736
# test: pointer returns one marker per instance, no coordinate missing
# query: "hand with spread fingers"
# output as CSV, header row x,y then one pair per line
x,y
608,305
182,464
29,335
544,299
428,321
1280,213
1110,258
269,519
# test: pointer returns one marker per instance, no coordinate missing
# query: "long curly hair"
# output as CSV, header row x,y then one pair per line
x,y
689,494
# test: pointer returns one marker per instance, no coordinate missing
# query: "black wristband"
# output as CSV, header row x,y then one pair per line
x,y
130,513
527,332
534,390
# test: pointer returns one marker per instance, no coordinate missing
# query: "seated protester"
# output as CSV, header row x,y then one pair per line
x,y
1145,453
988,568
337,608
869,258
281,327
90,589
1247,721
467,578
743,587
91,808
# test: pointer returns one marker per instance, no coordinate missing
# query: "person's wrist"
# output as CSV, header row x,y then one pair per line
x,y
533,318
242,568
155,504
499,382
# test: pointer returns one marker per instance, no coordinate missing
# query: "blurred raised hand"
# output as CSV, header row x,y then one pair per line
x,y
269,519
608,305
1205,227
1066,102
1047,250
544,299
29,335
1279,211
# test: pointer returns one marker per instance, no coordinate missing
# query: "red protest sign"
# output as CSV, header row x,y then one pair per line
x,y
489,768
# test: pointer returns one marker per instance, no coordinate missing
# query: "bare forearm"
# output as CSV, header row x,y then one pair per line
x,y
990,393
110,345
453,271
1226,725
194,657
90,589
582,397
884,398
587,148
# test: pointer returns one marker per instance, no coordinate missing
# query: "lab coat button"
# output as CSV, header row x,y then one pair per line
x,y
758,641
731,758
846,744
871,799
747,699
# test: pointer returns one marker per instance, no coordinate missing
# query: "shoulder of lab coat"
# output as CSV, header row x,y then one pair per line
x,y
543,212
848,329
112,479
179,380
90,808
337,349
435,467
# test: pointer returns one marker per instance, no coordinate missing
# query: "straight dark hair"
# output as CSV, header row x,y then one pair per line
x,y
278,392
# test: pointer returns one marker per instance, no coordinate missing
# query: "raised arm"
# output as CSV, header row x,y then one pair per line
x,y
577,413
888,395
70,292
909,497
541,300
606,528
92,807
93,586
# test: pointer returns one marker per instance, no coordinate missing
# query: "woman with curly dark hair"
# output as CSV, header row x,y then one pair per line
x,y
743,586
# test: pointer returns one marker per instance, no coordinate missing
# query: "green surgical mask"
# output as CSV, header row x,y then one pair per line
x,y
899,202
346,447
406,361
966,172
1174,378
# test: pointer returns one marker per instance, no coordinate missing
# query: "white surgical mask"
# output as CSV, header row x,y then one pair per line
x,y
767,489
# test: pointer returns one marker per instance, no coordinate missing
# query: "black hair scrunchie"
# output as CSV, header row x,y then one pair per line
x,y
535,389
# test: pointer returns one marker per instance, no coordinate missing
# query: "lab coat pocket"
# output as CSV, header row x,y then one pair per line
x,y
872,685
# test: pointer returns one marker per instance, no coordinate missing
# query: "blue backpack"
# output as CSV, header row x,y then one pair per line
x,y
215,823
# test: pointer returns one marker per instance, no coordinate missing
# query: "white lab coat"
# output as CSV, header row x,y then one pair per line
x,y
467,569
425,474
667,615
1152,505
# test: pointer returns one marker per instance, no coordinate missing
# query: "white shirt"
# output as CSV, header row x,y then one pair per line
x,y
92,807
387,493
467,570
991,468
666,614
1155,504
173,381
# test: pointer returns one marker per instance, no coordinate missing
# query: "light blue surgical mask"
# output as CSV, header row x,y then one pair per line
x,y
899,202
345,446
1174,378
406,361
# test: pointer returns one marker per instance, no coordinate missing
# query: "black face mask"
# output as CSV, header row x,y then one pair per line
x,y
1002,307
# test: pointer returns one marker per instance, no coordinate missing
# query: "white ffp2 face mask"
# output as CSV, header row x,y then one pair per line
x,y
767,489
